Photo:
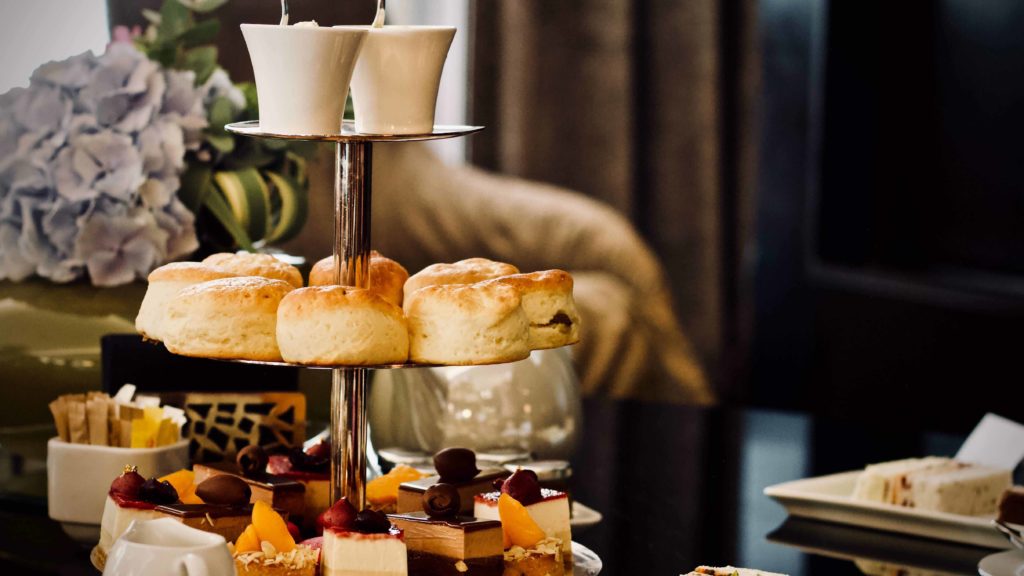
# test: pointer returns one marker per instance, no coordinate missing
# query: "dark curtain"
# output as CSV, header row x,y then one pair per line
x,y
650,106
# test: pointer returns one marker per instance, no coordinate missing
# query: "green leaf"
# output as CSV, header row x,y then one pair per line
x,y
174,19
195,185
218,206
203,6
202,33
249,198
222,113
294,202
163,53
223,143
202,61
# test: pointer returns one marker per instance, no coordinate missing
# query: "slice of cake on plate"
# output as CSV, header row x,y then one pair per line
x,y
936,484
528,550
282,493
548,508
455,466
730,571
443,543
267,548
360,543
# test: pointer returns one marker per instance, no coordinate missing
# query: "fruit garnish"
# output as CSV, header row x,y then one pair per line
x,y
518,527
252,461
181,480
456,464
384,490
441,500
372,522
340,516
524,486
224,490
128,484
154,491
189,496
270,527
248,541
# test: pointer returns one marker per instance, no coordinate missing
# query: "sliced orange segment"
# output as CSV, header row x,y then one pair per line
x,y
271,527
519,528
384,490
248,541
181,480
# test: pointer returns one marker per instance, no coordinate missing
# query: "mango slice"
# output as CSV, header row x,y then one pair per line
x,y
518,527
270,527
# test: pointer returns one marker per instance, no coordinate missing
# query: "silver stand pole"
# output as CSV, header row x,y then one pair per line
x,y
352,193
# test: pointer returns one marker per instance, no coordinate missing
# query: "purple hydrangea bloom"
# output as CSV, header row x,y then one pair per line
x,y
91,156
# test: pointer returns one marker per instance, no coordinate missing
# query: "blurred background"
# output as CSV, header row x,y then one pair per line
x,y
830,188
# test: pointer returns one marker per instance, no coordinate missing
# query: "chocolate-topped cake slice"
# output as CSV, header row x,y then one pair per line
x,y
457,467
282,493
443,543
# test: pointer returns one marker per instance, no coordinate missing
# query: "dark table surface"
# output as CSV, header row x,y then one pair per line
x,y
678,487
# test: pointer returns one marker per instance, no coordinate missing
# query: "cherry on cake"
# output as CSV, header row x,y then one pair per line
x,y
443,543
360,543
548,508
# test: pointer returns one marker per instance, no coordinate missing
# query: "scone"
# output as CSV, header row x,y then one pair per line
x,y
165,282
336,325
549,306
387,277
468,271
233,318
251,264
464,324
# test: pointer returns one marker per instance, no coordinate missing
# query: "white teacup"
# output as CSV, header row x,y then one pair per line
x,y
78,476
165,547
302,75
394,88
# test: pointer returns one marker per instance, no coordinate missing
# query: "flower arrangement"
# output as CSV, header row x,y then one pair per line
x,y
112,165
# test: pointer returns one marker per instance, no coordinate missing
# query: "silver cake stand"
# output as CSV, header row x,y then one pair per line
x,y
352,195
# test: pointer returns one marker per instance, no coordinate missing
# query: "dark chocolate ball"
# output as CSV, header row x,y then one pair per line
x,y
252,460
456,464
441,500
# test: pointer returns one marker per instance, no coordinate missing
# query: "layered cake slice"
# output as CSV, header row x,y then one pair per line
x,y
222,506
443,543
455,466
937,484
311,469
267,548
280,492
360,543
528,550
548,508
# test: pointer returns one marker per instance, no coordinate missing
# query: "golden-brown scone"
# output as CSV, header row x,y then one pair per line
x,y
336,325
164,283
251,264
468,271
387,277
232,318
463,324
549,306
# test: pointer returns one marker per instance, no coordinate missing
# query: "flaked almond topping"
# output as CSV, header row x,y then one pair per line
x,y
461,566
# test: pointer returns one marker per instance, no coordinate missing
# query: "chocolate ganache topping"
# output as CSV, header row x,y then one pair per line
x,y
456,465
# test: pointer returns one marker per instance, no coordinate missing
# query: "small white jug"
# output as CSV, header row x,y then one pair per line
x,y
165,547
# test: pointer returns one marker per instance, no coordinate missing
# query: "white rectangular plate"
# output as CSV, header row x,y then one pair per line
x,y
828,498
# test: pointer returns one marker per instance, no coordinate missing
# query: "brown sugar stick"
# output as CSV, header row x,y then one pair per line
x,y
77,423
59,409
96,414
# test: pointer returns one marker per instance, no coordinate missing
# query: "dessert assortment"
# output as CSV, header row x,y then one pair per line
x,y
937,484
254,307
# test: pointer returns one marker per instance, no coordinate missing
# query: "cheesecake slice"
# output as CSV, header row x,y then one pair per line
x,y
360,544
937,484
551,513
117,515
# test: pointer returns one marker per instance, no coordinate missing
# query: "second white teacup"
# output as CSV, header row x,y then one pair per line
x,y
302,75
394,87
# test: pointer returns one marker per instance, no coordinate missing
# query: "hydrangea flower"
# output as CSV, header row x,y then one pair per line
x,y
91,155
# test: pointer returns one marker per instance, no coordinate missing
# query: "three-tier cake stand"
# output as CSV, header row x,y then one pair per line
x,y
352,202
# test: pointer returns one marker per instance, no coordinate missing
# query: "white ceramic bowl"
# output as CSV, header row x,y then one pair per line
x,y
394,87
302,75
78,476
